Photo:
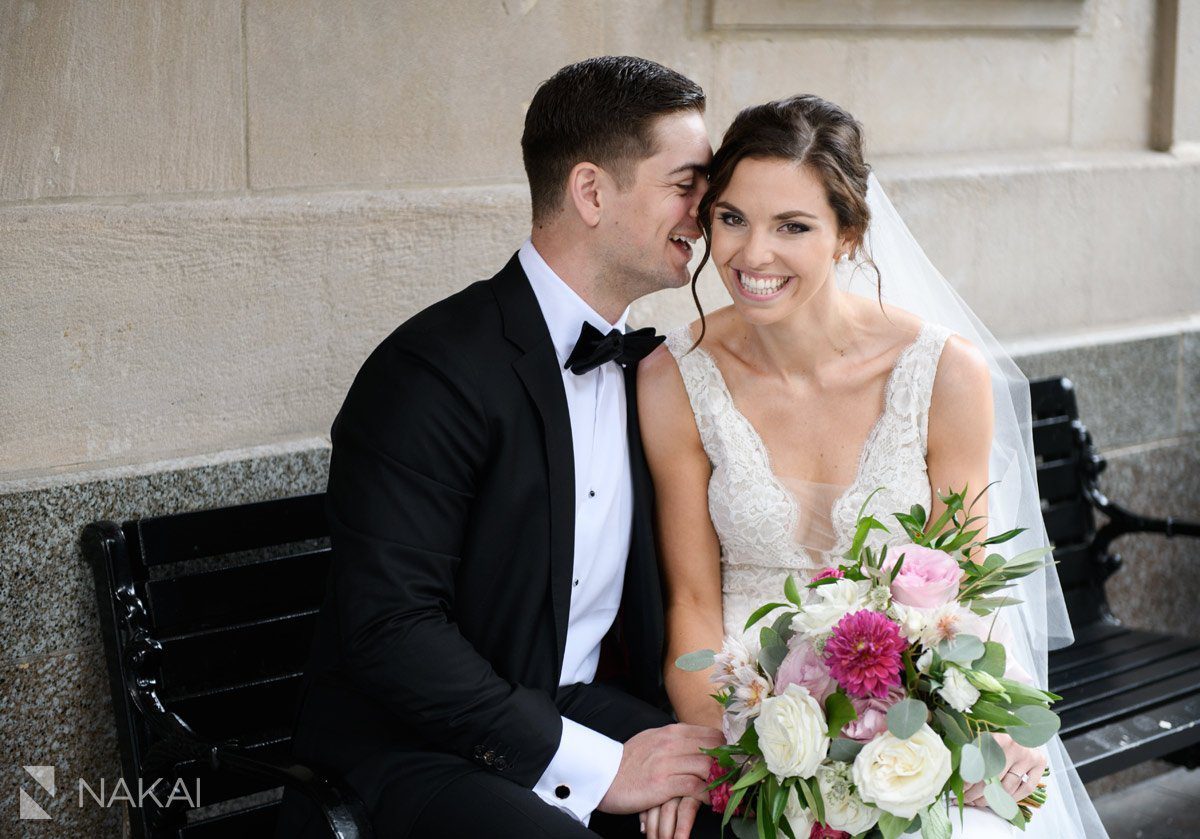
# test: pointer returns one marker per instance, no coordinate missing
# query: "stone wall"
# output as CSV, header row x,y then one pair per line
x,y
211,211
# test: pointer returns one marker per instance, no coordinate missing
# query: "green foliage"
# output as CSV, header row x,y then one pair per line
x,y
699,660
839,710
761,612
905,718
935,822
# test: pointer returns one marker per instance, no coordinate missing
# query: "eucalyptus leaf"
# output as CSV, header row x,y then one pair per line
x,y
994,760
905,718
935,821
771,657
699,660
971,767
783,626
845,749
994,660
768,637
963,649
952,726
1040,724
1001,802
744,828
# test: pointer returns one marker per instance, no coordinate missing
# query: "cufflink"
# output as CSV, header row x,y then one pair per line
x,y
562,792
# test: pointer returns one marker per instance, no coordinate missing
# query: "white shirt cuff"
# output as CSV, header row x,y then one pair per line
x,y
581,771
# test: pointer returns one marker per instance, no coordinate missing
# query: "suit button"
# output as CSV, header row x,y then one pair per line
x,y
501,764
478,752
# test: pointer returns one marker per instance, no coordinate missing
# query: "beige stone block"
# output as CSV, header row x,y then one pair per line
x,y
964,93
120,98
133,332
1039,247
1187,76
751,71
672,32
391,93
1114,77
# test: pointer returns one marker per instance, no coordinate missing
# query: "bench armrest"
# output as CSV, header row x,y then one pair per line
x,y
344,812
1122,522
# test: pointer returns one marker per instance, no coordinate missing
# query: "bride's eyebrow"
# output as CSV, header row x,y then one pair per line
x,y
784,216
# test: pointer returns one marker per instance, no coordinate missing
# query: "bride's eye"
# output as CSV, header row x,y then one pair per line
x,y
796,227
731,219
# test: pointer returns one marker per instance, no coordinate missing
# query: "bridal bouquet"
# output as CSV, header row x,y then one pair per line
x,y
876,693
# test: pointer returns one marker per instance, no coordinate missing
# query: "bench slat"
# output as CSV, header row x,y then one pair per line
x,y
213,659
1130,693
257,821
1069,522
248,712
1165,647
1130,741
240,594
1053,439
1058,480
1089,651
225,530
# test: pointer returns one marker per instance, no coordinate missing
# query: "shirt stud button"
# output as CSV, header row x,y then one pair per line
x,y
577,582
591,493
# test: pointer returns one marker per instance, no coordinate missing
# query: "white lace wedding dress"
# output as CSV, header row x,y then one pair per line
x,y
772,525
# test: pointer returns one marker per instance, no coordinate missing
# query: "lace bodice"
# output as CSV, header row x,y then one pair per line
x,y
757,518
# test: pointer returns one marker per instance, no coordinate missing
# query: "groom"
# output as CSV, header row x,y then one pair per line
x,y
488,657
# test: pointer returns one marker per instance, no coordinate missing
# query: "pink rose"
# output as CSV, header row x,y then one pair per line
x,y
872,716
821,831
831,571
718,796
802,666
928,578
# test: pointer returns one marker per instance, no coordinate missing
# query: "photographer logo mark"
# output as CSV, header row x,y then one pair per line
x,y
44,775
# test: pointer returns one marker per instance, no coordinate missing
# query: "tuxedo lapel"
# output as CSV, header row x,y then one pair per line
x,y
538,371
642,596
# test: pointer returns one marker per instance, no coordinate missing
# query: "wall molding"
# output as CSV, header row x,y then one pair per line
x,y
1065,16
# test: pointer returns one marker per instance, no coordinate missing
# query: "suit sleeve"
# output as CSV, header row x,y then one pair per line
x,y
408,448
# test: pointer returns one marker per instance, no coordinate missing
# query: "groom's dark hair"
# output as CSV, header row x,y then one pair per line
x,y
601,110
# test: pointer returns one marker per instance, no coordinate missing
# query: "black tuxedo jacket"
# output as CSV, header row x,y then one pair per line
x,y
451,503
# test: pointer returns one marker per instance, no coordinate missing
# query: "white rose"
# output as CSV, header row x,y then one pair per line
x,y
844,809
792,733
799,818
959,694
902,777
827,604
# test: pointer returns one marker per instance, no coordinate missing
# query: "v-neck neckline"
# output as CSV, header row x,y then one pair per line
x,y
867,441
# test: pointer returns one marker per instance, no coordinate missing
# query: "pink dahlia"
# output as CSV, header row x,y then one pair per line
x,y
718,796
831,571
863,653
821,831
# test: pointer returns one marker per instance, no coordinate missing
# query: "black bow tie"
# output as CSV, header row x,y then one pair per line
x,y
594,348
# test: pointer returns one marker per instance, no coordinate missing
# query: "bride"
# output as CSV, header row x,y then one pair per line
x,y
768,423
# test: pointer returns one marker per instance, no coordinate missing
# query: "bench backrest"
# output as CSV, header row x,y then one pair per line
x,y
1068,465
221,606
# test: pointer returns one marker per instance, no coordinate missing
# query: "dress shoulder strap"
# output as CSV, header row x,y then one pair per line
x,y
912,381
705,387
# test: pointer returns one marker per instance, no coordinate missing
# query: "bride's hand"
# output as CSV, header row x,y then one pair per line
x,y
672,820
1019,761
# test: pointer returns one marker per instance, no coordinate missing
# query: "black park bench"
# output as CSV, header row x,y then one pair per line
x,y
1128,695
207,619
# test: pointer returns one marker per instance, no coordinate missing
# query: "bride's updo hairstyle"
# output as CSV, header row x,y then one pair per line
x,y
805,130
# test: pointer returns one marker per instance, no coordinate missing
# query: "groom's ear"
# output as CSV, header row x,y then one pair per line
x,y
584,186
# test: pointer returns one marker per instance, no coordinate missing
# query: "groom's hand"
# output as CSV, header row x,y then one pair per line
x,y
660,764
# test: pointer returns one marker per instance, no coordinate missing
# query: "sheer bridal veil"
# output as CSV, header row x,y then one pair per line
x,y
1039,623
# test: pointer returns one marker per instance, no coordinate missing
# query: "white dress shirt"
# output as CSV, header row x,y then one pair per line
x,y
586,762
